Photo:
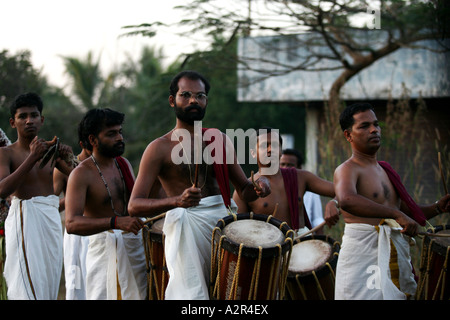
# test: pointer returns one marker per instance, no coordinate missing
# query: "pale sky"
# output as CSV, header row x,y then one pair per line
x,y
54,28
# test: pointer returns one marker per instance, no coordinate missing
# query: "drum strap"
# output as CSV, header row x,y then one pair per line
x,y
416,212
291,187
221,172
126,173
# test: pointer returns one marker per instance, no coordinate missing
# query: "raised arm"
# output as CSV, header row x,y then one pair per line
x,y
242,206
316,184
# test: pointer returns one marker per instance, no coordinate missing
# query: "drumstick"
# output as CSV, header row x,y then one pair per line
x,y
155,217
258,188
443,235
312,230
196,176
442,173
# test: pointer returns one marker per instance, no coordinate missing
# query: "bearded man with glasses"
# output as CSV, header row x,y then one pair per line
x,y
198,192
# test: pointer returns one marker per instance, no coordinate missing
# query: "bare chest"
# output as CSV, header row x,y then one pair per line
x,y
275,204
107,192
176,177
36,182
375,185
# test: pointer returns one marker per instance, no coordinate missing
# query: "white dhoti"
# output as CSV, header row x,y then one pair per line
x,y
115,266
34,248
75,250
370,268
188,233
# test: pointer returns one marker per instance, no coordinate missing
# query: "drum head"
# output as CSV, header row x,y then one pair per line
x,y
439,244
444,241
254,233
309,255
157,226
257,231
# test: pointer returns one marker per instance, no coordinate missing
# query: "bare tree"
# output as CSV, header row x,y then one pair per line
x,y
329,30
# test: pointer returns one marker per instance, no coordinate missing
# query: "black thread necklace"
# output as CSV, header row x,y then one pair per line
x,y
107,188
188,162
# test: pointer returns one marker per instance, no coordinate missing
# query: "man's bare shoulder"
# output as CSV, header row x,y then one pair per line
x,y
348,165
5,153
9,150
84,170
159,149
164,141
12,154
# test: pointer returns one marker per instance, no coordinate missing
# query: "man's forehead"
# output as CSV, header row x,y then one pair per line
x,y
27,109
115,127
288,157
365,116
271,137
186,84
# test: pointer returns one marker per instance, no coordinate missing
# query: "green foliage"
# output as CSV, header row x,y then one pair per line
x,y
86,79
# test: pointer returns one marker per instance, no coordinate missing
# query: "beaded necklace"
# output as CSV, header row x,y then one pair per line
x,y
107,188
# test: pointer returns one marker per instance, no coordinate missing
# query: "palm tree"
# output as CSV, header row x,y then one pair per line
x,y
86,79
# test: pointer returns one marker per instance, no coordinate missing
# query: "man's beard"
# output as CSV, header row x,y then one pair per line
x,y
111,152
189,117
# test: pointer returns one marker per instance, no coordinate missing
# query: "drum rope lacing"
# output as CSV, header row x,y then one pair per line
x,y
151,264
319,287
427,258
217,255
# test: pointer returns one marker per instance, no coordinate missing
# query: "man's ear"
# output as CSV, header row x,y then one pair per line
x,y
12,123
92,140
172,101
348,135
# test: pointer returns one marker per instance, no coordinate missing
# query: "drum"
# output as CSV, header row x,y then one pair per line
x,y
157,274
249,258
434,280
311,271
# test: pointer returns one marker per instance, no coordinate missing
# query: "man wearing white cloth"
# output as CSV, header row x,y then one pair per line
x,y
75,246
374,261
97,193
197,195
33,227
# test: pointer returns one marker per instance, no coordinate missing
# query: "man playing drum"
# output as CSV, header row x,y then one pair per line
x,y
97,194
378,213
288,186
194,203
33,229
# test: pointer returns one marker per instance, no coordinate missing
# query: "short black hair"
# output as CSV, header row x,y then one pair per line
x,y
94,121
190,74
29,99
346,119
296,153
83,137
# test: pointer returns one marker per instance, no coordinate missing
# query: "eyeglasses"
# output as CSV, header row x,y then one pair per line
x,y
199,96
